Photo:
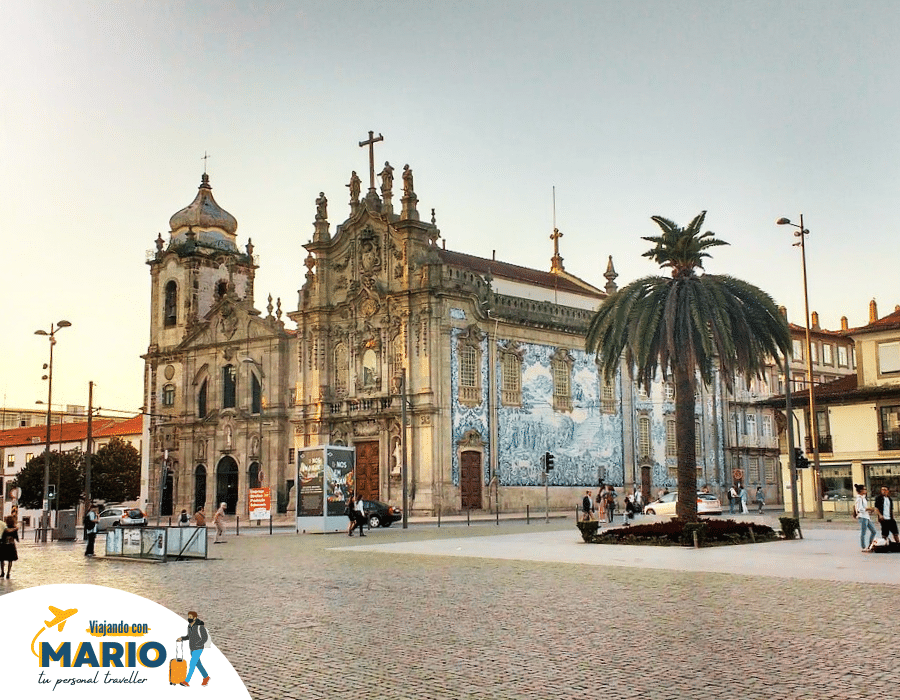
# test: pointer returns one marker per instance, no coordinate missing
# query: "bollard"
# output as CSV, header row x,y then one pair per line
x,y
439,518
468,517
498,517
170,521
527,514
237,526
696,540
270,524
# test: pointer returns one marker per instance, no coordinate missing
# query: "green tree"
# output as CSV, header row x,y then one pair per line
x,y
116,472
66,473
684,324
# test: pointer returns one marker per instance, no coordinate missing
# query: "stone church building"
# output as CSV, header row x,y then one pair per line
x,y
487,356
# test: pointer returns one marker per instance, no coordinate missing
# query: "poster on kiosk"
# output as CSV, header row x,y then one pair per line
x,y
324,483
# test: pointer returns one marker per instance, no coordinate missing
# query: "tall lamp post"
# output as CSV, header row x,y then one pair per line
x,y
45,518
802,233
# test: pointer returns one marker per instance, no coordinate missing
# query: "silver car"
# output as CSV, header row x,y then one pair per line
x,y
120,515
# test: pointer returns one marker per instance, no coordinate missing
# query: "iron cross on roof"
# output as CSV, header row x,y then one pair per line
x,y
371,144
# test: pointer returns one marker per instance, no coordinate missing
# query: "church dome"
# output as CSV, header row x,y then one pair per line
x,y
204,213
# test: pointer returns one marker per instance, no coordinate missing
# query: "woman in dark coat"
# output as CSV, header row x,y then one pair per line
x,y
8,539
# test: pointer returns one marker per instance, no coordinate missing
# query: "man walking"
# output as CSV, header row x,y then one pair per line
x,y
886,509
90,530
197,637
587,506
219,522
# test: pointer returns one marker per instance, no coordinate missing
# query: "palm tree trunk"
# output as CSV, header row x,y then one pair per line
x,y
685,432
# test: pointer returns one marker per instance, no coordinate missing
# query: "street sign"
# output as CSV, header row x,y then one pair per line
x,y
260,504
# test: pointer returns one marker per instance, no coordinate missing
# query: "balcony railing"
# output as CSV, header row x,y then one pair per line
x,y
824,444
889,441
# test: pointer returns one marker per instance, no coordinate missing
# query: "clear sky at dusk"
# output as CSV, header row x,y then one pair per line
x,y
749,110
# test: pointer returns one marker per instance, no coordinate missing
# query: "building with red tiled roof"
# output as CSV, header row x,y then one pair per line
x,y
19,445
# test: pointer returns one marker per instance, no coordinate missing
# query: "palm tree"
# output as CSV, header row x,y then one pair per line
x,y
683,325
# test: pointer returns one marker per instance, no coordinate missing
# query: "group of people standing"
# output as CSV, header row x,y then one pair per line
x,y
884,508
739,499
606,504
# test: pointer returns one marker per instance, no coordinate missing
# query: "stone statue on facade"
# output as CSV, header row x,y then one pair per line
x,y
354,186
408,190
321,207
387,178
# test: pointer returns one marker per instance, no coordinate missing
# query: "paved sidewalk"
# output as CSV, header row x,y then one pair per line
x,y
521,612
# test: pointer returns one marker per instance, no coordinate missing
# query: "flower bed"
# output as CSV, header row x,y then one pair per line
x,y
677,533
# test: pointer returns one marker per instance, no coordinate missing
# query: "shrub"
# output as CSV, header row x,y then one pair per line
x,y
675,532
790,527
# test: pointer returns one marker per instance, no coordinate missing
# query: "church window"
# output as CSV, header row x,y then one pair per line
x,y
229,386
370,367
201,399
561,366
341,370
221,288
168,395
255,394
469,355
671,442
644,453
512,379
170,308
608,396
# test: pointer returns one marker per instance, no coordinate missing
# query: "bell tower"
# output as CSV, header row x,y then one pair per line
x,y
200,264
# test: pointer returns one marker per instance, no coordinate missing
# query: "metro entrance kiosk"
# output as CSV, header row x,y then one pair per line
x,y
325,480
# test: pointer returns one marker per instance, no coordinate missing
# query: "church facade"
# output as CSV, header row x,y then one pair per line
x,y
466,370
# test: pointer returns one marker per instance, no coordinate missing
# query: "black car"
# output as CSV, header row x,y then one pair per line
x,y
381,514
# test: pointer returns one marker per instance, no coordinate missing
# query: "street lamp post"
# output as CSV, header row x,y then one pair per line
x,y
45,518
802,233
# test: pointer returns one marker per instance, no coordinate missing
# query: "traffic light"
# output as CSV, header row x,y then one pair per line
x,y
548,462
800,461
51,491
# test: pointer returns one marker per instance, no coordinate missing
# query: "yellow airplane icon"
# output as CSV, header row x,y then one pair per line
x,y
61,617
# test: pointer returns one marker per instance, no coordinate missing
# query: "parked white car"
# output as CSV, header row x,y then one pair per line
x,y
707,504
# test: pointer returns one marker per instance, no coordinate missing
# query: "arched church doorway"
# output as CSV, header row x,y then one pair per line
x,y
470,477
199,487
227,484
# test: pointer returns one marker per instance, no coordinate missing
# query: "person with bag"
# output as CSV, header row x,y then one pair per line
x,y
862,512
183,519
609,501
197,638
8,538
587,507
732,500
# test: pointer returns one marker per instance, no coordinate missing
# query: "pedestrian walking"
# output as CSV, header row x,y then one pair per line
x,y
862,511
587,506
90,530
351,515
742,495
732,500
8,539
609,502
760,498
886,509
360,515
219,522
200,517
629,508
197,638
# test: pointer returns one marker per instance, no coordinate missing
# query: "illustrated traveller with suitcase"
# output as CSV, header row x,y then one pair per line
x,y
197,638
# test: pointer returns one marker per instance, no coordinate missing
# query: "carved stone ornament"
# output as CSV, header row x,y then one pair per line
x,y
365,428
369,252
471,438
228,322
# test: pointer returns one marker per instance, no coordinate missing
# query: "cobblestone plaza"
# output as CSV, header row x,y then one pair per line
x,y
522,611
